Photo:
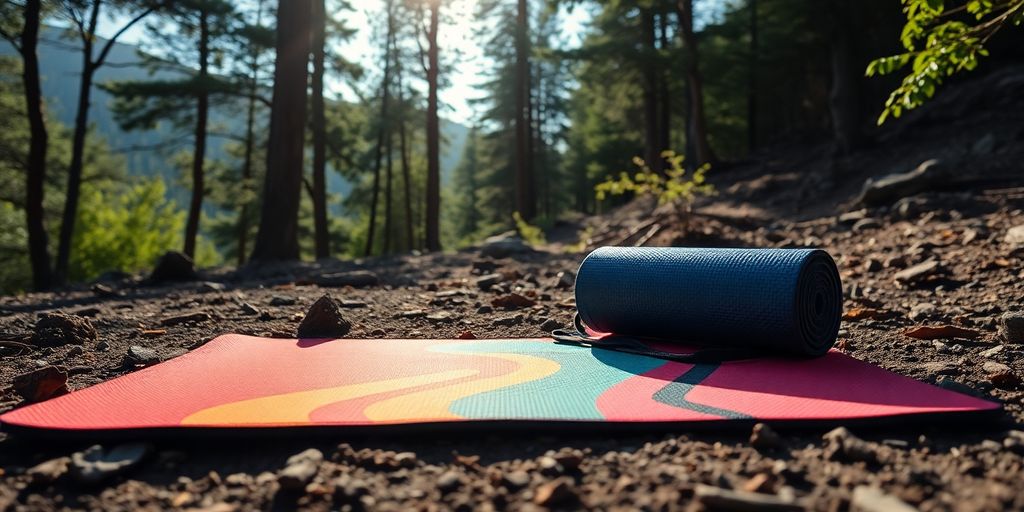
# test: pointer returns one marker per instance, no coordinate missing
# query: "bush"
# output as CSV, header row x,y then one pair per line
x,y
672,187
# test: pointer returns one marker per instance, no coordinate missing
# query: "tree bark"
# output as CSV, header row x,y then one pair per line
x,y
321,234
406,180
664,92
388,173
652,154
383,127
525,203
844,98
250,141
278,234
195,208
433,227
696,124
752,88
38,246
74,184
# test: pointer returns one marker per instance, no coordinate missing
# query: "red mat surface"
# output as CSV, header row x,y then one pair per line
x,y
239,381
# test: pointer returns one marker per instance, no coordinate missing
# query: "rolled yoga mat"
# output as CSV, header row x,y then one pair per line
x,y
776,301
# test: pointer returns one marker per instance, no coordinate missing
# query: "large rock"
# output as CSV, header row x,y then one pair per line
x,y
890,188
324,320
174,266
504,245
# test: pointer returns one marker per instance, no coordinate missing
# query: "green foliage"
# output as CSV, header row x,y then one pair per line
x,y
939,45
533,235
126,228
671,188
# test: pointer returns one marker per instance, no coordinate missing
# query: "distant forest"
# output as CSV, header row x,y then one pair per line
x,y
230,147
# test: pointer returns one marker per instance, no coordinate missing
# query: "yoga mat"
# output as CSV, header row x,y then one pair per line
x,y
261,384
776,301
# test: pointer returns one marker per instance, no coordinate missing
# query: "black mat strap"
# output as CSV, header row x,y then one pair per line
x,y
637,345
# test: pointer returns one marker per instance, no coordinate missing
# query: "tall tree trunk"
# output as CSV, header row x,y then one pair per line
x,y
195,208
664,92
383,127
844,98
752,88
388,173
652,154
525,203
74,184
278,234
433,136
38,246
250,141
696,124
321,235
406,179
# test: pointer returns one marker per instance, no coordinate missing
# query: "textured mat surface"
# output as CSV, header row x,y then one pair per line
x,y
239,381
783,301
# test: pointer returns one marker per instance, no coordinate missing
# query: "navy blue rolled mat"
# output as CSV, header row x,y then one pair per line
x,y
779,301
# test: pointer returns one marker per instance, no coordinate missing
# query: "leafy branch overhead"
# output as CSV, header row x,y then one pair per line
x,y
939,43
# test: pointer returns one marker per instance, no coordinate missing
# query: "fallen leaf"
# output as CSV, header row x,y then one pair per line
x,y
925,332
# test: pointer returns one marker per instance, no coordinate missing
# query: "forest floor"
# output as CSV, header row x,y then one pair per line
x,y
941,258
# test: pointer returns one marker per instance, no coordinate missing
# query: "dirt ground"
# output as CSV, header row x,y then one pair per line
x,y
977,277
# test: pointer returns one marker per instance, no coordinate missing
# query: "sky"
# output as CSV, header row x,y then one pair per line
x,y
457,44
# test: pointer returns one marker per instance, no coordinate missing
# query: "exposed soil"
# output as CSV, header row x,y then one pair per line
x,y
941,260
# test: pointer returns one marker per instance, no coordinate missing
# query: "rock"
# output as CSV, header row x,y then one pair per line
x,y
947,382
866,224
448,482
555,492
504,245
282,300
197,317
512,301
992,352
922,311
355,279
467,335
58,329
95,465
715,498
105,292
566,280
324,320
42,383
762,437
508,321
210,286
1001,376
551,324
300,469
917,272
173,266
249,309
849,218
140,356
515,480
1015,235
841,444
887,189
488,281
992,367
925,332
1011,327
873,499
49,471
352,304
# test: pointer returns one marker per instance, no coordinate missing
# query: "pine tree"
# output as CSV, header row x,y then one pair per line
x,y
188,35
84,16
277,238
